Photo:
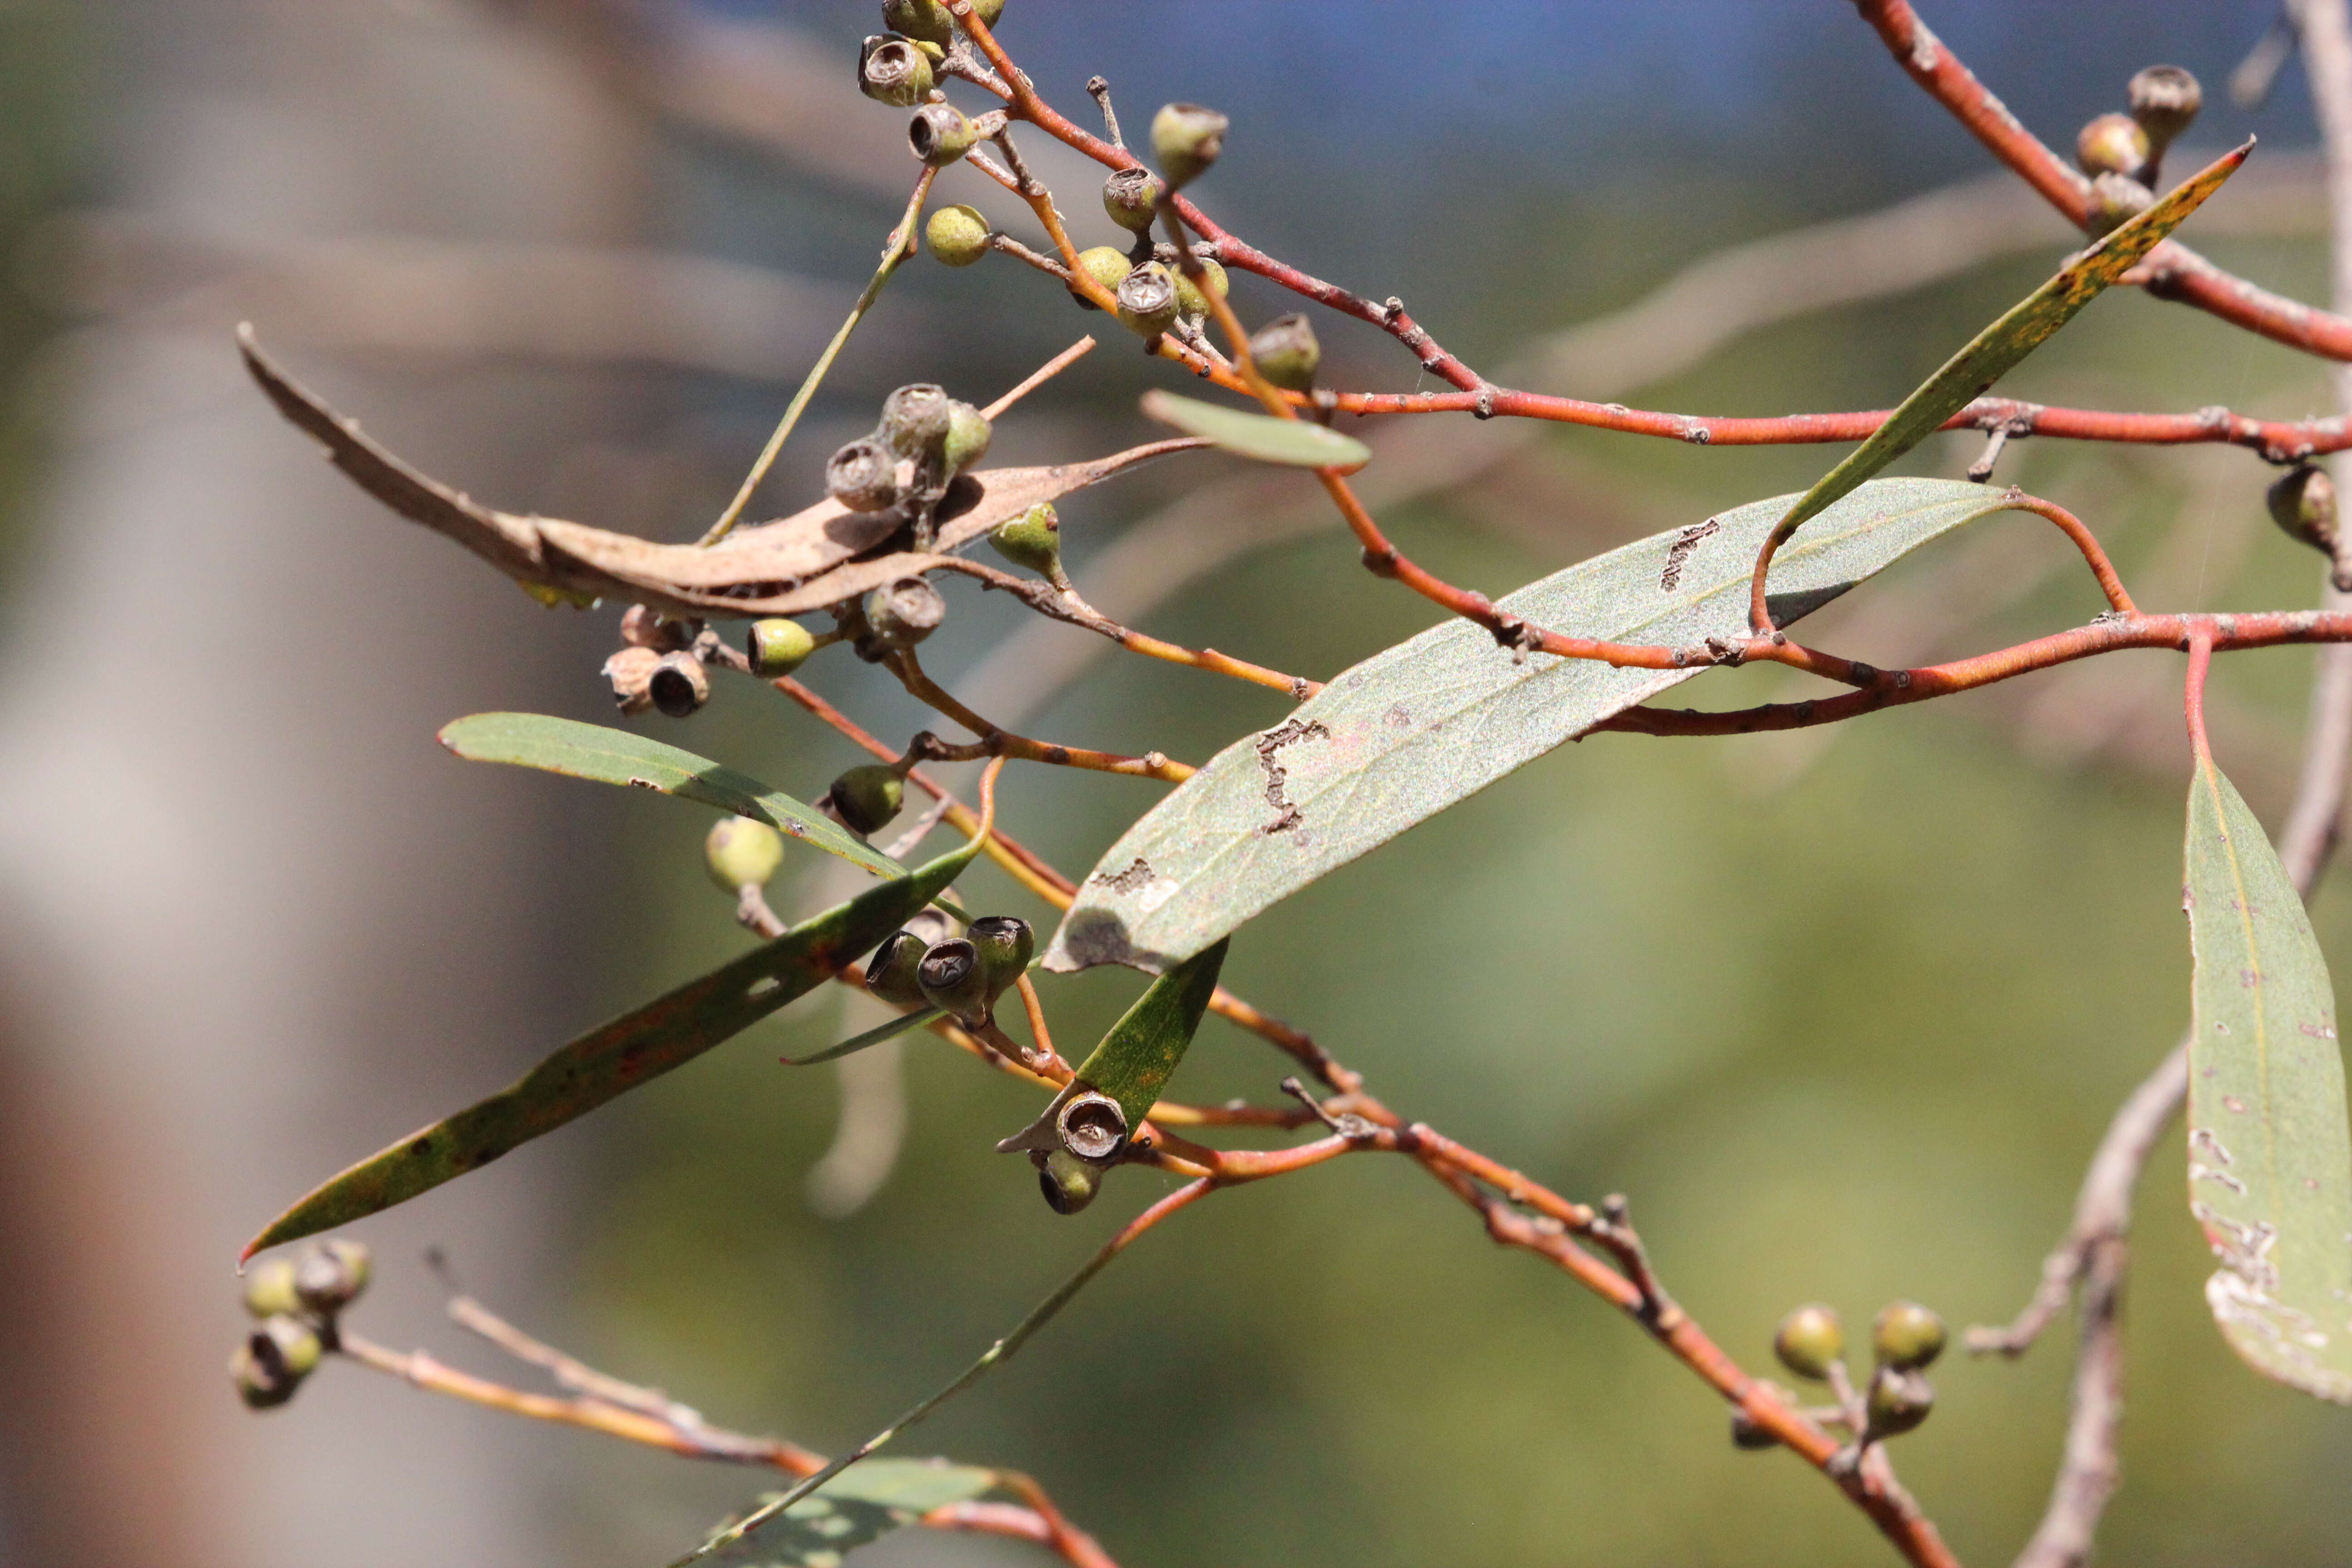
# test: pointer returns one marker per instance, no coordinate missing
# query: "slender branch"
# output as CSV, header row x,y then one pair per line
x,y
995,742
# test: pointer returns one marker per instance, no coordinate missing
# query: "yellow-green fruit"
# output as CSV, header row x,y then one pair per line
x,y
969,434
777,646
939,134
1186,139
1287,353
1107,265
1189,300
925,19
1809,1342
893,70
958,236
1898,1401
1147,301
273,1360
1068,1183
269,1288
866,798
330,1274
742,852
1907,1335
2112,144
1131,197
1033,540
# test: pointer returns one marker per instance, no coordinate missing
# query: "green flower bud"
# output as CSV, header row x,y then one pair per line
x,y
866,798
890,973
1091,1126
273,1360
1898,1401
1131,197
2112,144
269,1288
2115,200
678,685
862,476
1907,1335
969,432
1107,265
1287,353
925,19
631,673
915,420
1190,300
2303,503
1005,944
641,627
1809,1340
2164,100
958,236
777,646
1186,139
892,70
742,852
1033,540
1068,1183
901,614
939,134
1147,301
330,1274
953,981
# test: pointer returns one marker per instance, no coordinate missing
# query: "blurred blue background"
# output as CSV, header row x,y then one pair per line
x,y
1844,1012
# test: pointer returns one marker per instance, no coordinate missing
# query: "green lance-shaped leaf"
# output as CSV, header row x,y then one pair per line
x,y
853,1509
1994,351
897,1026
1296,443
617,757
1411,730
2270,1157
1136,1059
631,1050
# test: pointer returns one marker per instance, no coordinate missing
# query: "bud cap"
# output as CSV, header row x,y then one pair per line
x,y
958,236
742,852
777,646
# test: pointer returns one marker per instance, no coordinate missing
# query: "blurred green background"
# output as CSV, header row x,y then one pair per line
x,y
1843,1013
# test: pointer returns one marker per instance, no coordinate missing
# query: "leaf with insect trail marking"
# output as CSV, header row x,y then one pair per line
x,y
630,1051
1412,730
2269,1153
856,1507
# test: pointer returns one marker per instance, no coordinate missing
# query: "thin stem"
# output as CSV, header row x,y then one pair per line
x,y
995,742
1040,376
900,245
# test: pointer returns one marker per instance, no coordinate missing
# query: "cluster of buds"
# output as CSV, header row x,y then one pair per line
x,y
662,665
2123,153
924,440
1905,1338
294,1303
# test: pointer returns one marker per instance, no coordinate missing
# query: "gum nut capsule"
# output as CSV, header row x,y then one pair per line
x,y
1907,1335
1146,300
1091,1125
1186,139
939,134
1068,1183
641,627
2164,100
925,19
777,646
866,798
631,673
890,973
904,613
1809,1340
1107,265
2115,200
1287,353
330,1274
678,685
269,1288
1898,1401
1006,944
862,476
1131,197
915,420
2303,503
2112,144
893,70
969,434
273,1361
1033,540
1189,300
958,236
742,852
951,980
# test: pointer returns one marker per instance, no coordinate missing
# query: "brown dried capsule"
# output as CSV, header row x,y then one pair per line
x,y
1091,1126
939,134
862,476
1146,300
2112,144
330,1274
901,614
643,626
2165,101
678,685
953,982
916,420
631,672
893,70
